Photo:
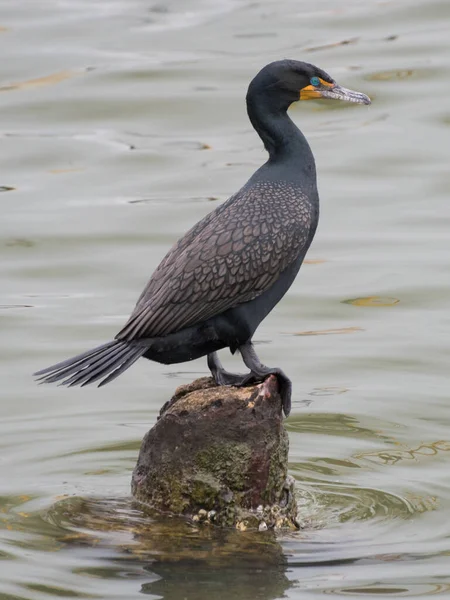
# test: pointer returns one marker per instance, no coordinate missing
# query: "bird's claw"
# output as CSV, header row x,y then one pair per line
x,y
232,379
284,385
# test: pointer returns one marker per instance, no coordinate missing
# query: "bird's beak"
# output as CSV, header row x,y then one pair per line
x,y
333,91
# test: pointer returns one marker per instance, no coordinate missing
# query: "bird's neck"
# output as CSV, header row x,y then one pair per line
x,y
282,139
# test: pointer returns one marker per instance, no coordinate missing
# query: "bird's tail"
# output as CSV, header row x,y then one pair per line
x,y
108,361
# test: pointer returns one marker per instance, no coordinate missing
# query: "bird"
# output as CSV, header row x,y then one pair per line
x,y
225,275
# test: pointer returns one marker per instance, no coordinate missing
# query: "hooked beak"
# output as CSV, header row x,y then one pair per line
x,y
333,91
339,93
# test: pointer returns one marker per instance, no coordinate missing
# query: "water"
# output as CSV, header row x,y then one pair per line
x,y
121,124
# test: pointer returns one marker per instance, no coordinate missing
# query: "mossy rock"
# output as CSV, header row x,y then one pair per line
x,y
219,454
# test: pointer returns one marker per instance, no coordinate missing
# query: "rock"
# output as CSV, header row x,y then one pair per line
x,y
219,455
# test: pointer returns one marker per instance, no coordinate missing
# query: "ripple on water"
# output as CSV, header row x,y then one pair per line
x,y
136,534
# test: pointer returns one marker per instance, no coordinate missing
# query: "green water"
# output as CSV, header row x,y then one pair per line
x,y
122,122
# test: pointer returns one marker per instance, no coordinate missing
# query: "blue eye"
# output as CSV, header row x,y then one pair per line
x,y
315,81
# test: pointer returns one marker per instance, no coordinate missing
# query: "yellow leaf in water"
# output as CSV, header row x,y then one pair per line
x,y
98,472
23,514
330,331
390,75
314,261
372,301
39,82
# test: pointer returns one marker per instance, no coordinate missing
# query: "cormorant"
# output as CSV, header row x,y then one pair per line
x,y
219,281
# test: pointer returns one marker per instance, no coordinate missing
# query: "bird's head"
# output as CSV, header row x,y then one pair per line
x,y
292,80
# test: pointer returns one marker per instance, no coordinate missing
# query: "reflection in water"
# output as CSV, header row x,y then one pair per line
x,y
171,557
392,457
336,424
118,540
379,590
191,581
182,560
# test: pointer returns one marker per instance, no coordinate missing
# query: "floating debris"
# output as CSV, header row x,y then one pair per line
x,y
4,306
332,45
329,390
20,242
372,301
314,261
330,331
38,82
256,35
204,88
391,75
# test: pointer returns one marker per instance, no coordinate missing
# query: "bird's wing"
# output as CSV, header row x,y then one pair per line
x,y
229,259
160,273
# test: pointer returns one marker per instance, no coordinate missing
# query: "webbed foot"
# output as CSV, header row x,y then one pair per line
x,y
221,376
259,372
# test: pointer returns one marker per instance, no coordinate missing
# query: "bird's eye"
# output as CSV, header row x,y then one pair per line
x,y
315,81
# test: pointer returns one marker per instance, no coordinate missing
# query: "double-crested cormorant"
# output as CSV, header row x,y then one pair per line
x,y
220,280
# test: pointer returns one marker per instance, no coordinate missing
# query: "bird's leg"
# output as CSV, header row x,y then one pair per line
x,y
260,371
222,377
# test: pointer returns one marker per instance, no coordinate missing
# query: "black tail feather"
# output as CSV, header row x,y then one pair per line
x,y
109,361
125,365
75,359
72,365
103,363
102,368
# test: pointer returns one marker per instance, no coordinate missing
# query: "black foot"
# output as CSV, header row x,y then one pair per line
x,y
285,390
284,383
259,372
222,377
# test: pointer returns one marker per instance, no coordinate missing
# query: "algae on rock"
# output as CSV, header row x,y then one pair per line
x,y
219,454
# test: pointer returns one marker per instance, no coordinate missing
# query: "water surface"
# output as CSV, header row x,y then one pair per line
x,y
121,124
